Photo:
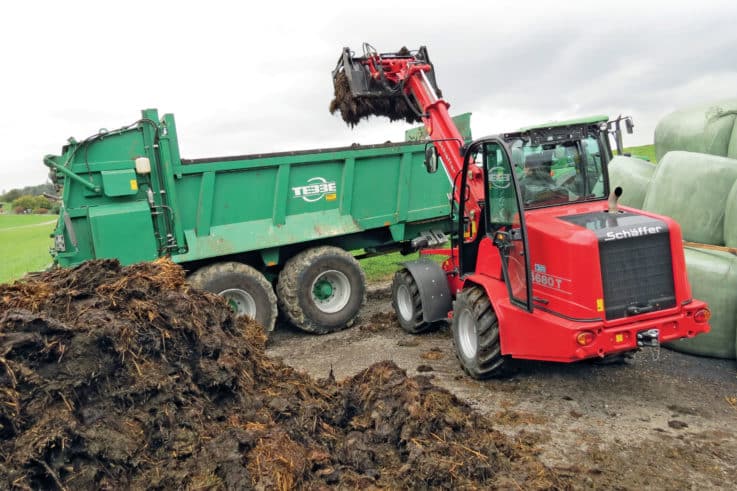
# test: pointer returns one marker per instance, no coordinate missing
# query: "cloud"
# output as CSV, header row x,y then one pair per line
x,y
255,77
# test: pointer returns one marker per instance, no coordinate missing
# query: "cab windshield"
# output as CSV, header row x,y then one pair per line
x,y
558,173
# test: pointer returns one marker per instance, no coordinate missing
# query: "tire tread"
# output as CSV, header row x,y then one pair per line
x,y
288,286
205,276
418,325
489,360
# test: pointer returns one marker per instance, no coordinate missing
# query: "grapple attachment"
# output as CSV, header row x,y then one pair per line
x,y
373,84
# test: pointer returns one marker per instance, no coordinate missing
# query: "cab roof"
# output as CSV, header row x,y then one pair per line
x,y
570,122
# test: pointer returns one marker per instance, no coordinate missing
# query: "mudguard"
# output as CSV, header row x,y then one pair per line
x,y
433,288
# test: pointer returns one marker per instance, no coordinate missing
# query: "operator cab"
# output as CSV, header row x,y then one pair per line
x,y
534,168
562,163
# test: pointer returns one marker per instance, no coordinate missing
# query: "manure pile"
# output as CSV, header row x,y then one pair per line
x,y
123,377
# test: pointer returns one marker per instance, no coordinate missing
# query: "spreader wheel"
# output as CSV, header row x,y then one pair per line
x,y
322,289
476,334
245,289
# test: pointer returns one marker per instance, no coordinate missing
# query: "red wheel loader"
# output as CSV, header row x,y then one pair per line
x,y
543,264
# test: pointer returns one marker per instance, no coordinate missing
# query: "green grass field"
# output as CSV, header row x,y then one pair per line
x,y
24,244
383,267
379,268
647,151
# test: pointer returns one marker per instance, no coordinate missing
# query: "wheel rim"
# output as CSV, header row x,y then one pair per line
x,y
331,291
240,302
405,305
467,334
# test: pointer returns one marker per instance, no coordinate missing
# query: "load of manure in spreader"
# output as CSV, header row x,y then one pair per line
x,y
125,377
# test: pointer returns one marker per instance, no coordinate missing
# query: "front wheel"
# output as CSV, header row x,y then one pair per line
x,y
476,334
246,290
322,289
407,302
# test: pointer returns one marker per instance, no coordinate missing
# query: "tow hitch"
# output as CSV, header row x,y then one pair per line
x,y
649,337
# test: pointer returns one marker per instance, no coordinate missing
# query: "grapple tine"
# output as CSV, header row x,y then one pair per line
x,y
357,76
372,85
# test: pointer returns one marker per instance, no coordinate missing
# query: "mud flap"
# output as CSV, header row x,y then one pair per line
x,y
432,284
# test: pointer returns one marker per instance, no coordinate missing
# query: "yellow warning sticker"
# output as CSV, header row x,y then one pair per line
x,y
134,185
600,305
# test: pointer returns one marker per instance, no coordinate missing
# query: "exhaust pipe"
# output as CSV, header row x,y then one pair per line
x,y
613,199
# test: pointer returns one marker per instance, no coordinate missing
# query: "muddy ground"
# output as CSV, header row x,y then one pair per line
x,y
664,420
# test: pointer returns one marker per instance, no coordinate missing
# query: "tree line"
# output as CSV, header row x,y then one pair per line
x,y
31,199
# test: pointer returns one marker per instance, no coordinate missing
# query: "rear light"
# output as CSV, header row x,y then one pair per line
x,y
585,338
702,315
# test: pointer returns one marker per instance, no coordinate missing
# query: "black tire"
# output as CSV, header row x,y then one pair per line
x,y
321,289
476,334
407,302
246,290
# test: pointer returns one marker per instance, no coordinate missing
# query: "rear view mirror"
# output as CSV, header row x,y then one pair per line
x,y
629,125
431,158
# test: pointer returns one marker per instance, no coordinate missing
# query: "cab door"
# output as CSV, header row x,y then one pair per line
x,y
506,220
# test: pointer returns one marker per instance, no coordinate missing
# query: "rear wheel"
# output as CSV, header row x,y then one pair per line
x,y
322,289
407,302
476,334
245,289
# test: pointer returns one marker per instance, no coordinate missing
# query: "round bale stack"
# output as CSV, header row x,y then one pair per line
x,y
696,184
693,188
713,277
705,128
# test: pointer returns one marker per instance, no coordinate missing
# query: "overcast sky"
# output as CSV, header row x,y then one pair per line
x,y
251,77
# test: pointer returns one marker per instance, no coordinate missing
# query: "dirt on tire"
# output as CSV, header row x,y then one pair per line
x,y
223,276
126,377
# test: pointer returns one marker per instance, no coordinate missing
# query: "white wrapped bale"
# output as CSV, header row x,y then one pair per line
x,y
732,149
713,278
692,188
730,218
702,129
633,176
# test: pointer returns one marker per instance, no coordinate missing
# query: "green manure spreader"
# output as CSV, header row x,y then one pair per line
x,y
259,230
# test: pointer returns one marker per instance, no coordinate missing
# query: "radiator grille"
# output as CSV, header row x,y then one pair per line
x,y
637,273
